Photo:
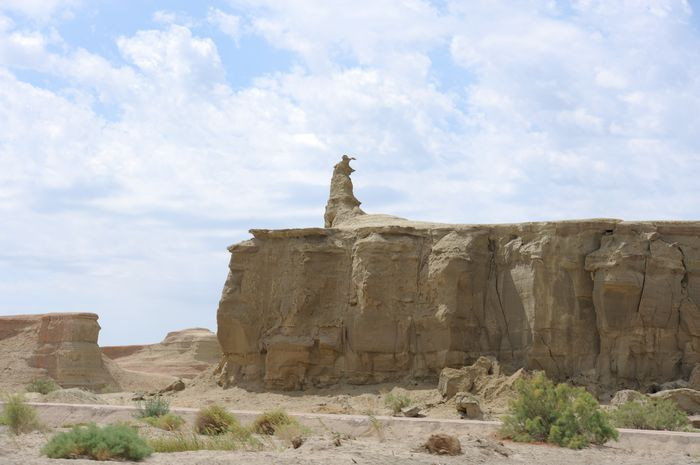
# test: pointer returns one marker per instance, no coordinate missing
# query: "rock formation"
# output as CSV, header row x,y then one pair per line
x,y
183,354
62,346
342,203
372,297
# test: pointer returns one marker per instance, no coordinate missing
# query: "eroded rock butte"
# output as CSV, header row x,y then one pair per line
x,y
371,298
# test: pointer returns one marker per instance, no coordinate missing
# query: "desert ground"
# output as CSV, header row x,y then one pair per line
x,y
398,444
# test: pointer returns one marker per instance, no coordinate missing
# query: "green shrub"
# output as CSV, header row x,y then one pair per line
x,y
270,421
561,414
214,420
168,422
43,386
153,407
658,414
18,416
187,442
113,442
396,402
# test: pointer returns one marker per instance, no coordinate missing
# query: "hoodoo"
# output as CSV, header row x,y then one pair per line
x,y
370,298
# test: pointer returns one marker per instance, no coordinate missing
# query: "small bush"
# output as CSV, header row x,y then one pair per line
x,y
112,442
188,442
153,407
167,422
215,420
396,402
43,386
657,414
269,422
560,414
18,416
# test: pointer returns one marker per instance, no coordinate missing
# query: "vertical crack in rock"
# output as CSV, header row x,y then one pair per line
x,y
494,267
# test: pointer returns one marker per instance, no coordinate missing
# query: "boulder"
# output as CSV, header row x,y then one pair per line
x,y
686,399
454,380
694,379
412,411
694,421
626,395
469,405
443,444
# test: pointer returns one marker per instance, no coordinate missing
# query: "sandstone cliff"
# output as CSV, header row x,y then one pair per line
x,y
62,346
376,297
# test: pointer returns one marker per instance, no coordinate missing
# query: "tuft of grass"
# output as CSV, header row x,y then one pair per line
x,y
396,402
270,421
154,407
18,416
215,420
656,414
188,442
559,414
113,442
167,422
43,386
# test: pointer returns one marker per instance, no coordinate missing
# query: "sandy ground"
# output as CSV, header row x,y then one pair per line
x,y
400,447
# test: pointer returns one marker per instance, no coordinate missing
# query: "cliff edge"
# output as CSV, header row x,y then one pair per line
x,y
371,298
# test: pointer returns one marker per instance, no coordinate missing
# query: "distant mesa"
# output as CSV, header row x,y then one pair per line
x,y
370,298
182,354
62,346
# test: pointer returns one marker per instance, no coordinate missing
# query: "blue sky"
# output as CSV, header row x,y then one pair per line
x,y
140,138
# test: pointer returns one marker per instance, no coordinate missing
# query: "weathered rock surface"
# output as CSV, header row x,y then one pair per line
x,y
686,399
60,345
626,395
182,354
375,297
469,405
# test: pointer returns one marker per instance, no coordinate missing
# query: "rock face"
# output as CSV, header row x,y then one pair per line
x,y
183,354
373,297
60,345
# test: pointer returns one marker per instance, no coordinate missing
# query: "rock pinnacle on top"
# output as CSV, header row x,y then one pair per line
x,y
342,203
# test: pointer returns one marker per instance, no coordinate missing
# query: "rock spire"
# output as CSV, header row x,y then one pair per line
x,y
342,204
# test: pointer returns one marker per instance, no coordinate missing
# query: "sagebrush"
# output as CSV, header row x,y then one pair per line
x,y
656,414
270,421
18,416
215,419
559,414
112,442
167,422
43,386
396,402
154,407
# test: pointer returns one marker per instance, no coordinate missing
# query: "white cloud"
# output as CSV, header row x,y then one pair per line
x,y
549,115
227,23
41,10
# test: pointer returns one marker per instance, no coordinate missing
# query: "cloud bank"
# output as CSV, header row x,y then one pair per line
x,y
136,147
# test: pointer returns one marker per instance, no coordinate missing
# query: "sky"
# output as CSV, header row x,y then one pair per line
x,y
140,138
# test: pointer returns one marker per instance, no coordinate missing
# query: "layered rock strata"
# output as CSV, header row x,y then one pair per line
x,y
375,297
60,345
